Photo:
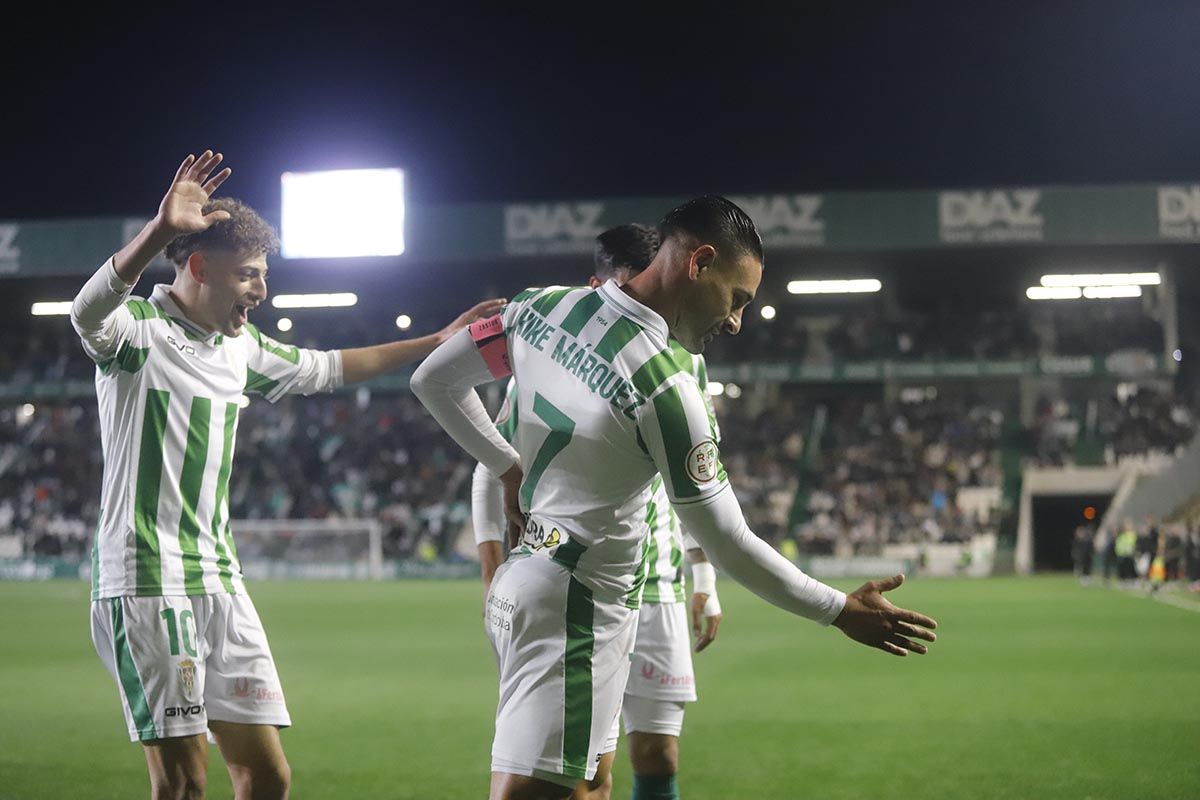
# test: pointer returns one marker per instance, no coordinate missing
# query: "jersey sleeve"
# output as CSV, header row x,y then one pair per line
x,y
702,381
274,369
674,426
102,317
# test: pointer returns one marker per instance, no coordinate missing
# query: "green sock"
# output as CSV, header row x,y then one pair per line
x,y
655,787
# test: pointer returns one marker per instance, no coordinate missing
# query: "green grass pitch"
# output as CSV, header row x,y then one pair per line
x,y
1038,688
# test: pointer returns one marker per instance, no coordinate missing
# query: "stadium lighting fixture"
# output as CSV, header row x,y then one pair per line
x,y
1104,279
27,410
852,286
733,390
243,401
1107,292
767,312
1054,293
51,308
345,213
1177,354
334,300
404,322
284,324
716,388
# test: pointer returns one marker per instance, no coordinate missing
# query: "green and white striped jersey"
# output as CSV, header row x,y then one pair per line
x,y
660,573
168,393
603,404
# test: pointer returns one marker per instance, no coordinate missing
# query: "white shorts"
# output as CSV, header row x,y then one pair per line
x,y
563,657
181,661
661,667
643,715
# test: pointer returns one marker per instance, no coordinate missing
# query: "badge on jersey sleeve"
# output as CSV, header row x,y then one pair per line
x,y
702,462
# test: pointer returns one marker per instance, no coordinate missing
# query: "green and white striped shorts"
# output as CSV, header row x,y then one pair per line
x,y
181,661
563,656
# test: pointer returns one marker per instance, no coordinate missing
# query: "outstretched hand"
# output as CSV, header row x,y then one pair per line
x,y
868,618
182,208
488,308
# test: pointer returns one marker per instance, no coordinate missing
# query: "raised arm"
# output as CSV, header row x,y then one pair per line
x,y
181,211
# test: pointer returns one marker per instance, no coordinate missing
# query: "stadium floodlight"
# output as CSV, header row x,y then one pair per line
x,y
1104,279
1107,292
51,308
767,312
733,390
284,324
1054,293
716,388
332,300
852,286
404,322
345,213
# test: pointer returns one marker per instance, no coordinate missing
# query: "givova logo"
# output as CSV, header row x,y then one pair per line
x,y
551,228
10,254
990,216
1179,212
790,220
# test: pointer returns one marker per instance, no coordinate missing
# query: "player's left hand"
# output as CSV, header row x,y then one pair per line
x,y
488,308
712,620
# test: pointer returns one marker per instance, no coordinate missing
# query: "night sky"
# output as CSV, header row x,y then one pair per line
x,y
603,101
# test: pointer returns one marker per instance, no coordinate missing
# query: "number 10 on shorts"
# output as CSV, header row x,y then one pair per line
x,y
180,630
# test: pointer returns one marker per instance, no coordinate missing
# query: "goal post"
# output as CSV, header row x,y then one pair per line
x,y
336,549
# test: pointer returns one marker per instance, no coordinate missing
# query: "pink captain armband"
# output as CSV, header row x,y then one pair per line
x,y
489,337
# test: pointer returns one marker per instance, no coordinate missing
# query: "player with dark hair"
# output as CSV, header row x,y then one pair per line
x,y
661,677
604,408
171,619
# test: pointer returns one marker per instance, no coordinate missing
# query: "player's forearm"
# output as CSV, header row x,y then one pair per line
x,y
444,383
720,527
487,506
491,556
364,363
132,259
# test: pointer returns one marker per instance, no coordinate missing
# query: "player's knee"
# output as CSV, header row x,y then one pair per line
x,y
182,785
595,790
265,782
654,754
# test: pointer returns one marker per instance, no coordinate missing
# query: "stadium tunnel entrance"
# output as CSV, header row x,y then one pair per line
x,y
1055,519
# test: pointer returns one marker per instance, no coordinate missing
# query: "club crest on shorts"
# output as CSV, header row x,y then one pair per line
x,y
187,676
702,462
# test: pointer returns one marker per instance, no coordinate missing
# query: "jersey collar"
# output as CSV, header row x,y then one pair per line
x,y
161,296
613,293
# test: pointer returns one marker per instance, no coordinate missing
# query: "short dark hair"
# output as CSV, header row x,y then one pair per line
x,y
245,233
713,220
629,247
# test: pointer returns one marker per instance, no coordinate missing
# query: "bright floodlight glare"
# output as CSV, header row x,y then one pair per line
x,y
768,312
404,322
50,308
284,324
853,286
1054,293
343,213
716,388
733,390
1106,292
27,410
243,401
335,300
1104,279
1177,354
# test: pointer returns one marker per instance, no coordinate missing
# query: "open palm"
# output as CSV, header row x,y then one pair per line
x,y
182,208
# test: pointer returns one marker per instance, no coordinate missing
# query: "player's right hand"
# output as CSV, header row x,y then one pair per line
x,y
182,208
870,619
